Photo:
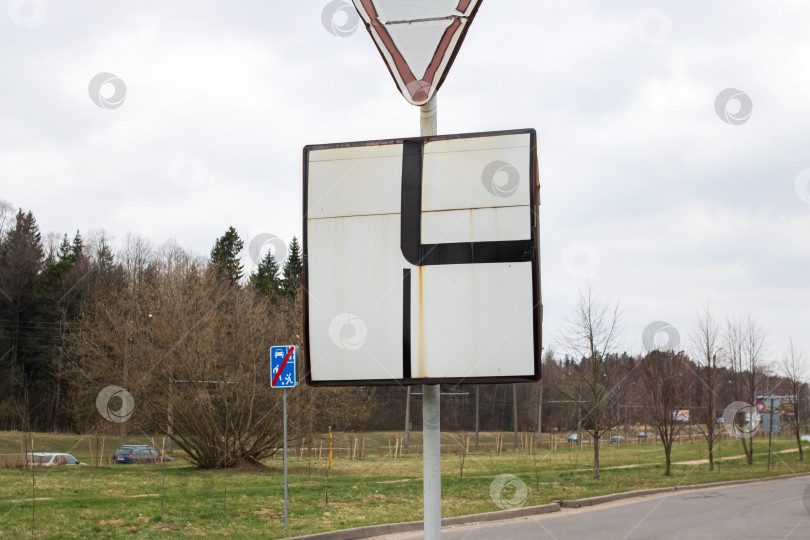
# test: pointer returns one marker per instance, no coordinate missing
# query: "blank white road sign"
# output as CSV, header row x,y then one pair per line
x,y
421,260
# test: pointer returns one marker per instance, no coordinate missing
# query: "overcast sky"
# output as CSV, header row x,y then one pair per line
x,y
660,193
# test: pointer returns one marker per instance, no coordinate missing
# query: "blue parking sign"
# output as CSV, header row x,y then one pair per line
x,y
283,366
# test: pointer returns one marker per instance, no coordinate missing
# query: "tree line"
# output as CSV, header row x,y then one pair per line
x,y
188,338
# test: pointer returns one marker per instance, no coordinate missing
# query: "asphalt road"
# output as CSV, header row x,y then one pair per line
x,y
774,509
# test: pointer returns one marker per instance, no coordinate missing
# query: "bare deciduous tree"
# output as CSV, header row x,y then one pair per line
x,y
193,350
591,334
705,348
794,369
745,349
6,217
666,388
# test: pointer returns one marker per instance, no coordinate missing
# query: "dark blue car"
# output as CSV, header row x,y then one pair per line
x,y
138,453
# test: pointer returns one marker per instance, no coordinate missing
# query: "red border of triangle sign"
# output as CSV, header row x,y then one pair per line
x,y
418,39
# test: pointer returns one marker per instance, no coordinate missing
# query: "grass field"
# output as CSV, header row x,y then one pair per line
x,y
174,500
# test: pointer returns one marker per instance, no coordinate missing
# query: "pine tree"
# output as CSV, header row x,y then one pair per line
x,y
225,256
104,254
21,260
293,269
65,250
266,279
77,249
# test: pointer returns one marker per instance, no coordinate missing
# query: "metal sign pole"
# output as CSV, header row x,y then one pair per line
x,y
286,500
770,431
431,461
431,428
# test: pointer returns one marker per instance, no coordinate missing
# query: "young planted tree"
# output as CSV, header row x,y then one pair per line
x,y
597,385
706,346
666,387
794,369
745,349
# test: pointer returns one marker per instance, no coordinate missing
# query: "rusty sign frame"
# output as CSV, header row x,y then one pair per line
x,y
421,254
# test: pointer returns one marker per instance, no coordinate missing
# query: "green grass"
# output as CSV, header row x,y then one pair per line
x,y
119,500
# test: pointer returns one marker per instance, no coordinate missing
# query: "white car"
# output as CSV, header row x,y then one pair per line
x,y
52,459
806,438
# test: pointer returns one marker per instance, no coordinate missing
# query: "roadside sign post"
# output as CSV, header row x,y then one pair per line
x,y
420,255
431,400
772,402
286,496
284,374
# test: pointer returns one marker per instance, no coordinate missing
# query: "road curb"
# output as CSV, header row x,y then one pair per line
x,y
412,526
601,499
358,533
744,481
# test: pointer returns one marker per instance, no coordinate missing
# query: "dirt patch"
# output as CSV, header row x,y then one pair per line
x,y
306,483
250,466
742,456
267,513
631,466
29,500
394,481
115,522
138,496
165,527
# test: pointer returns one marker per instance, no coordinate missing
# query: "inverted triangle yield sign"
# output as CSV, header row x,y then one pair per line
x,y
418,39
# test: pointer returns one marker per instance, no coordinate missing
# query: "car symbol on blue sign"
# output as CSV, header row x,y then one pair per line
x,y
283,366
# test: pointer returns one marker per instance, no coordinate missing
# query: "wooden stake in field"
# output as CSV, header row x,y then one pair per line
x,y
163,477
330,452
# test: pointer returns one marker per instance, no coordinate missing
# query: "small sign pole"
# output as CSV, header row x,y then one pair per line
x,y
286,498
773,402
284,374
